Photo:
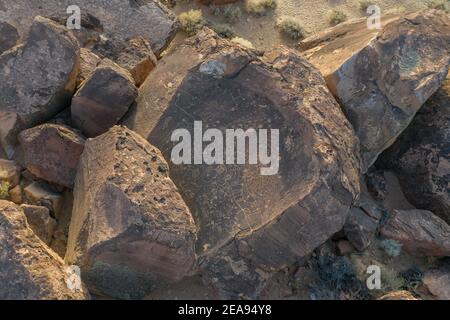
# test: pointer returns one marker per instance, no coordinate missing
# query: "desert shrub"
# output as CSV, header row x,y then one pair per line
x,y
191,21
259,7
439,5
364,4
4,189
243,42
291,28
230,13
224,30
336,17
412,278
391,247
334,277
391,280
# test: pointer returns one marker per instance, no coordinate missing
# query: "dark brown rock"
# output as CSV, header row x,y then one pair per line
x,y
131,231
29,270
421,156
103,99
37,79
51,152
8,36
420,232
250,222
382,77
40,221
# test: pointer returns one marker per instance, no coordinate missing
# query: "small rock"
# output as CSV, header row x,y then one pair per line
x,y
9,171
37,194
437,281
29,270
40,221
103,99
344,247
88,62
51,152
15,194
420,232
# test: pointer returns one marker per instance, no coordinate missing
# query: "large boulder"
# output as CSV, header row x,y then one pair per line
x,y
131,231
421,156
382,77
37,79
251,218
103,99
116,20
51,152
420,232
29,270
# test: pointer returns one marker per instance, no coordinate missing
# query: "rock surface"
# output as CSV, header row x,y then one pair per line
x,y
248,221
382,77
420,232
10,172
103,99
117,20
421,156
28,268
37,79
40,221
88,63
8,36
51,152
437,281
130,230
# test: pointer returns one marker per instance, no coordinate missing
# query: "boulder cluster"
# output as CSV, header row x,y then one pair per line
x,y
86,177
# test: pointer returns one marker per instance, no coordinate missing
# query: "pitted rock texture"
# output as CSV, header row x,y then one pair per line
x,y
37,79
271,220
130,230
382,77
29,270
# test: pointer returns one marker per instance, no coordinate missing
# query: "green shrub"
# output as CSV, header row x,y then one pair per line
x,y
191,21
243,42
4,190
336,17
230,13
259,7
391,247
439,5
291,28
224,30
391,280
364,4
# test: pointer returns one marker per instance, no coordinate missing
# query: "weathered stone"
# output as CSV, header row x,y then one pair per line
x,y
8,36
421,156
40,221
51,152
29,270
138,58
103,99
271,220
398,295
37,79
38,194
344,247
130,230
382,77
115,19
15,194
10,172
437,281
88,63
420,232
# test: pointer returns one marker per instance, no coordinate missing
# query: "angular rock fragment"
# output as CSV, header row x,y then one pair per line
x,y
360,228
116,19
130,230
29,270
420,232
38,194
51,152
138,58
40,221
8,36
103,99
382,77
88,63
37,79
421,156
251,224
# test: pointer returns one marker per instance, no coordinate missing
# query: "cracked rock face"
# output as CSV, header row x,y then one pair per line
x,y
116,20
130,230
382,77
251,224
421,156
29,270
37,79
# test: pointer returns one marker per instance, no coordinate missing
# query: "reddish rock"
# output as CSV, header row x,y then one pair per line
x,y
40,221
